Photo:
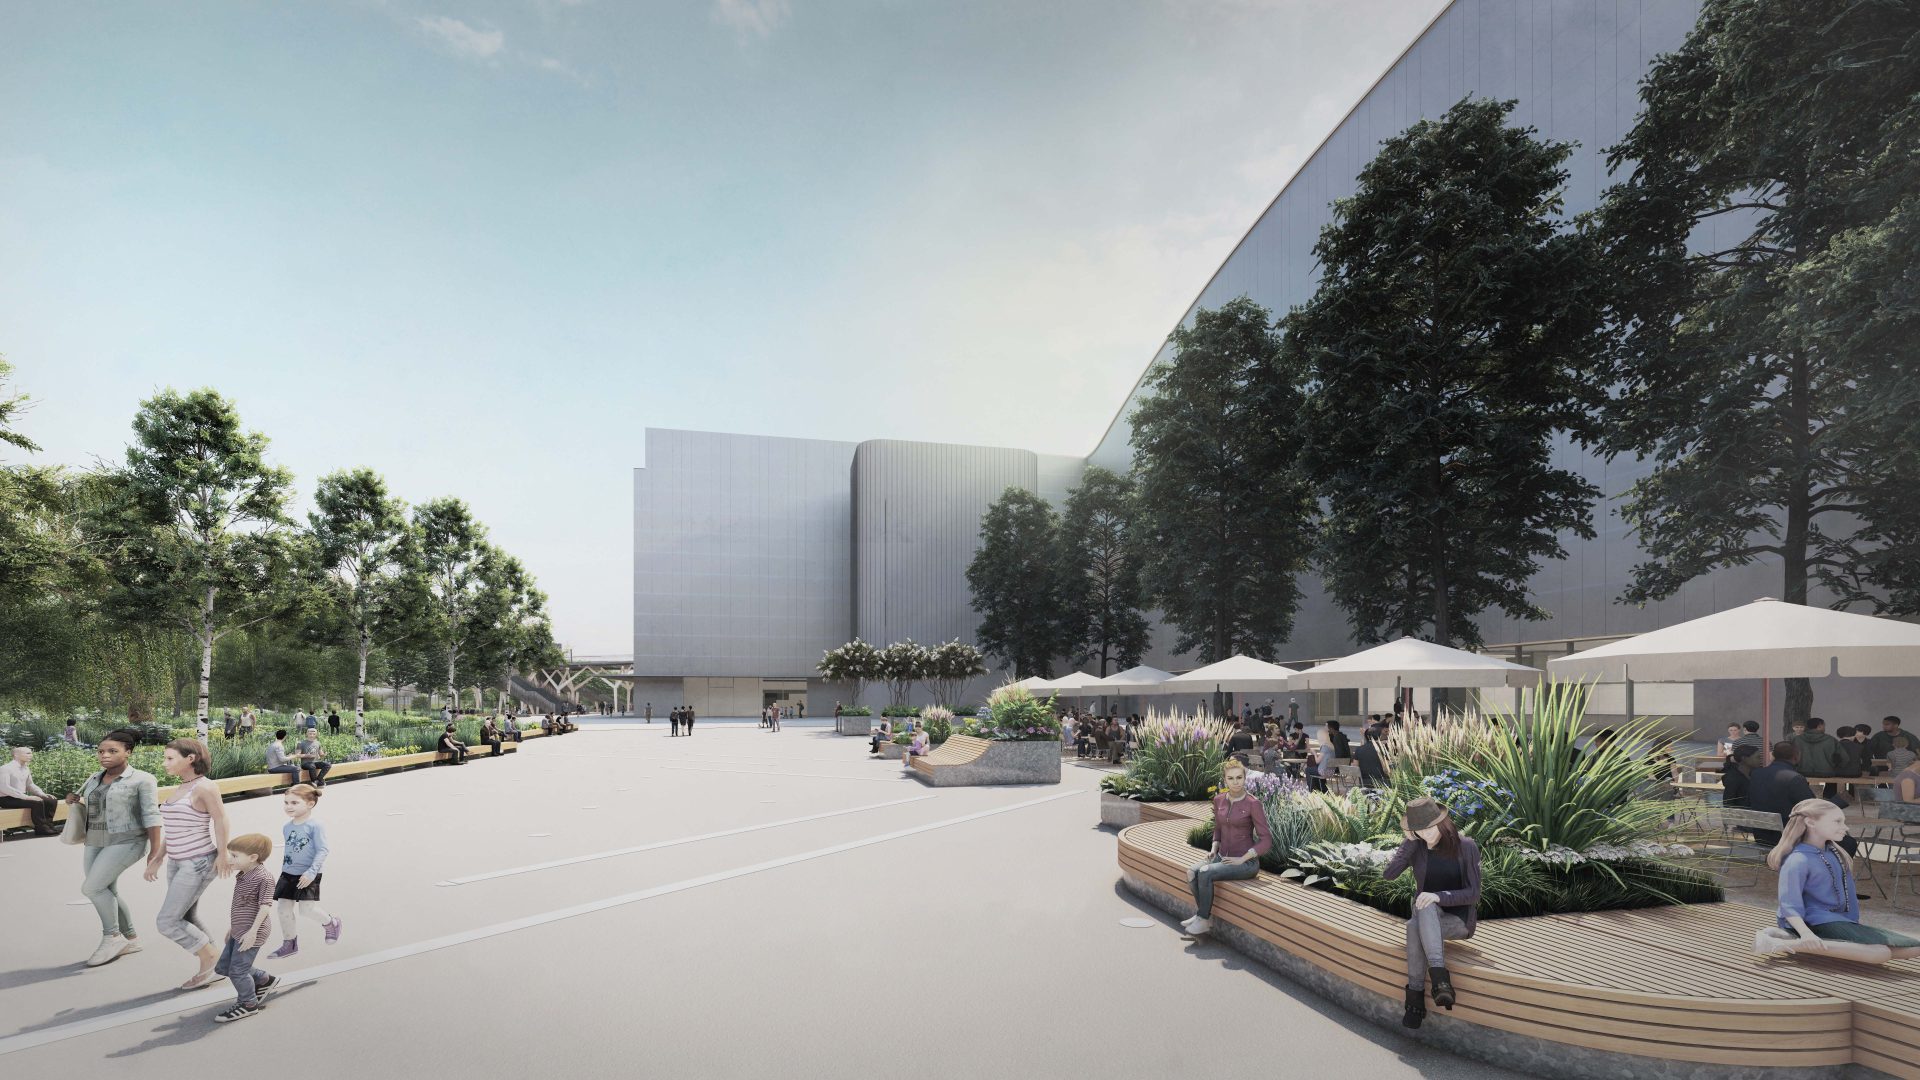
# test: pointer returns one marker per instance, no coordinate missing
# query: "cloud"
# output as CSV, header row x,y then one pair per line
x,y
460,39
757,17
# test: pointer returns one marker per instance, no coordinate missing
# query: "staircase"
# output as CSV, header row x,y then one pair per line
x,y
540,698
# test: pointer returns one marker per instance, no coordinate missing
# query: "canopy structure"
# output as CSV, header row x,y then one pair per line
x,y
1065,685
1234,675
1767,639
1033,684
1412,662
1134,680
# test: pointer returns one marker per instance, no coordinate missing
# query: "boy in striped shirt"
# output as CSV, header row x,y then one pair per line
x,y
247,928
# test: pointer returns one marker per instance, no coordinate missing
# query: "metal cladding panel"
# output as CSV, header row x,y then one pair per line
x,y
1573,66
741,554
916,512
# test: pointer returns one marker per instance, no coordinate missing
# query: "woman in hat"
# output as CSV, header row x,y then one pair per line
x,y
1446,875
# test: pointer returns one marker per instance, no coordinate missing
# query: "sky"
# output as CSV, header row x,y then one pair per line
x,y
481,248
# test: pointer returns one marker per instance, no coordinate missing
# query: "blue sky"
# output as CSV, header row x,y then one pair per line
x,y
482,247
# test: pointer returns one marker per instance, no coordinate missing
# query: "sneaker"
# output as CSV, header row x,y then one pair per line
x,y
1199,926
112,947
262,989
238,1012
287,948
332,929
133,946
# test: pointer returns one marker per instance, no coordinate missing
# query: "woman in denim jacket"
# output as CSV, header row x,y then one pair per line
x,y
123,825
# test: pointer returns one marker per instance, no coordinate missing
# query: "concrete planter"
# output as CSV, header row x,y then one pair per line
x,y
893,751
1117,811
1003,763
854,725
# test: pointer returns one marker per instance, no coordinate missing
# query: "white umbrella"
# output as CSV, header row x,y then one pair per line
x,y
1065,684
1033,684
1766,639
1134,680
1412,662
1235,675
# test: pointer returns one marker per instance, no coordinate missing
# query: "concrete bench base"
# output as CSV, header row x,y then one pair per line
x,y
998,763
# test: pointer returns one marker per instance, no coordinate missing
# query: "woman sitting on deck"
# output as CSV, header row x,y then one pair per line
x,y
1240,837
1446,875
1819,901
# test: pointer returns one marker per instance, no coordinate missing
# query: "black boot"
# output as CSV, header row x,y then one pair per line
x,y
1442,984
1416,1008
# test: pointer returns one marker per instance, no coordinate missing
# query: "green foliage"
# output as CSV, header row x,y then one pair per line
x,y
856,710
950,667
1015,716
1103,587
939,724
1017,580
62,772
895,710
1175,759
1446,347
1222,514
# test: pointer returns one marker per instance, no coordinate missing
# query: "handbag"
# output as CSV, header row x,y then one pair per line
x,y
76,829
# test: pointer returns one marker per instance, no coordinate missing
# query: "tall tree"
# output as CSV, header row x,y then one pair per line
x,y
193,525
856,663
902,664
1017,580
1223,515
950,667
1762,241
455,562
1448,343
1103,564
360,534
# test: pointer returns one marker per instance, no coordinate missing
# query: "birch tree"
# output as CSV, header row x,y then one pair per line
x,y
360,537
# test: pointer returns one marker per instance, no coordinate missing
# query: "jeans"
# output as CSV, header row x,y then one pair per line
x,y
236,964
289,770
1427,932
317,770
187,880
1206,874
39,811
103,867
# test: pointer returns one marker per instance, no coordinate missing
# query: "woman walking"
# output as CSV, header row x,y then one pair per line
x,y
1446,902
1240,837
193,827
123,825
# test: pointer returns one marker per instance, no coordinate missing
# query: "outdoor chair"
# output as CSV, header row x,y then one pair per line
x,y
1726,832
1896,845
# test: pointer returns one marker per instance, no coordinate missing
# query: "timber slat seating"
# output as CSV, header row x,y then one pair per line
x,y
1674,983
267,782
1176,811
957,750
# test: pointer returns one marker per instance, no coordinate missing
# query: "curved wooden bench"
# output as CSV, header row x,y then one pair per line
x,y
1188,812
1678,984
957,750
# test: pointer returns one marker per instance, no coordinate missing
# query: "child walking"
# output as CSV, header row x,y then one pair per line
x,y
247,927
303,854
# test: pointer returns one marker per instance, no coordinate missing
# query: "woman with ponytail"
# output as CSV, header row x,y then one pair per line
x,y
1819,907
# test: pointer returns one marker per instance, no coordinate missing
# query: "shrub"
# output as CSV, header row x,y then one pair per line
x,y
1175,758
899,710
857,710
1014,715
62,772
939,725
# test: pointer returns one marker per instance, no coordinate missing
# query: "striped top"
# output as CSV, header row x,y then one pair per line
x,y
187,829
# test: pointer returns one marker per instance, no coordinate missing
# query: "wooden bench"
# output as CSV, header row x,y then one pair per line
x,y
957,750
1189,812
261,783
1675,983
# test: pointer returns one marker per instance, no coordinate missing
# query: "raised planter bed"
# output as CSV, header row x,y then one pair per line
x,y
965,761
1117,811
854,725
1669,992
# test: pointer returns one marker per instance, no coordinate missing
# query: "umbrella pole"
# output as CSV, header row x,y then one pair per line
x,y
1766,719
1630,716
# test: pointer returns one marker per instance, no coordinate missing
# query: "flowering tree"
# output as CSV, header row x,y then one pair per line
x,y
856,663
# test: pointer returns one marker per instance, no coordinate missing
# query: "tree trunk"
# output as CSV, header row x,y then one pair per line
x,y
1442,620
360,684
1799,499
453,654
206,651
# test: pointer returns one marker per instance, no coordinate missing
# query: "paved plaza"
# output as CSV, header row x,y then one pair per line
x,y
735,904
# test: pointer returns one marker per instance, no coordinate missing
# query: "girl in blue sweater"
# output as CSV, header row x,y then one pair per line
x,y
1819,902
303,855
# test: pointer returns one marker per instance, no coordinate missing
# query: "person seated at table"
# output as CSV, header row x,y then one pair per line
x,y
1736,775
1854,759
1819,896
451,745
1890,738
1240,836
277,758
1297,742
1446,902
1778,788
490,734
1733,736
1750,735
1270,754
1904,781
1820,755
1373,771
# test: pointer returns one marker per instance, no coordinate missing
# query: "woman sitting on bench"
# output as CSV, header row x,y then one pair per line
x,y
1446,902
1240,837
451,745
490,735
882,734
1819,899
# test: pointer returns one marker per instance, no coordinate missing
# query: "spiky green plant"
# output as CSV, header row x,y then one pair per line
x,y
1176,758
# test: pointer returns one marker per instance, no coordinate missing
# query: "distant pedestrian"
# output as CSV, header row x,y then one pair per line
x,y
333,721
227,722
689,720
776,719
649,712
303,857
